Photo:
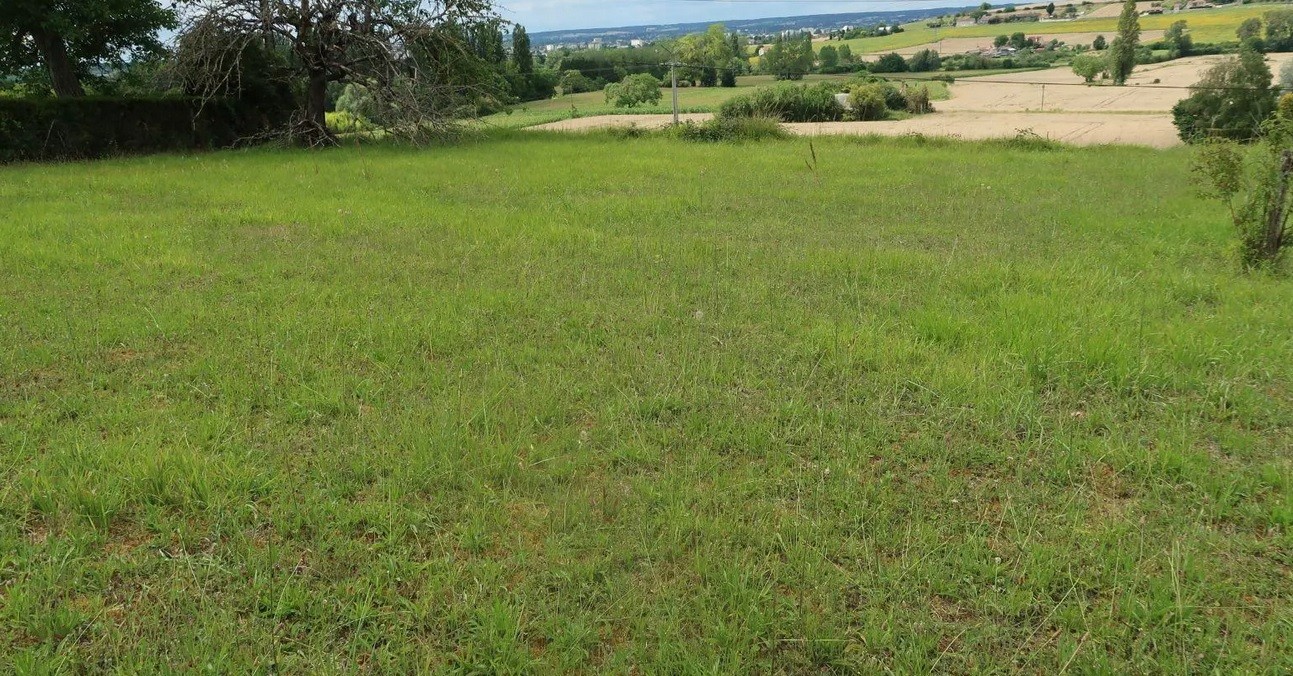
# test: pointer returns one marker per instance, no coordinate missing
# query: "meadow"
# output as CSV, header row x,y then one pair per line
x,y
540,403
1206,26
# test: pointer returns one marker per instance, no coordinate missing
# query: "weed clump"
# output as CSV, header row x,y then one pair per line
x,y
726,129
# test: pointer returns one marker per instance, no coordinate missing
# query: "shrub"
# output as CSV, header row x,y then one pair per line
x,y
867,103
731,129
634,90
890,63
924,61
786,102
1232,101
917,100
90,127
1252,183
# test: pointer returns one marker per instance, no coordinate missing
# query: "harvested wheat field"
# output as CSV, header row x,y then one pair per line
x,y
949,46
1054,104
1154,89
1083,129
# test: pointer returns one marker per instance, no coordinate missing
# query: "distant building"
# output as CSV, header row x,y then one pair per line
x,y
637,43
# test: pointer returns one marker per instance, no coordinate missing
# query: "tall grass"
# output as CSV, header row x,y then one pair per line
x,y
551,403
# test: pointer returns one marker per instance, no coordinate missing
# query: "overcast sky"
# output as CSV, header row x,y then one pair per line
x,y
546,15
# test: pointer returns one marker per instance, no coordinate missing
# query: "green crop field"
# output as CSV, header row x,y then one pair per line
x,y
1206,26
537,403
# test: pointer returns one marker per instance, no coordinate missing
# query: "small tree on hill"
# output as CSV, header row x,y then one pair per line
x,y
1099,44
1122,59
634,90
1088,66
1249,29
1000,41
1179,42
924,61
829,57
1279,30
1232,101
890,63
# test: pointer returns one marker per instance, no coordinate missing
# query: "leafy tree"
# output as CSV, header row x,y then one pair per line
x,y
789,59
1050,9
575,82
829,57
890,63
1249,29
72,39
522,54
1232,100
924,61
1279,30
868,103
1088,66
420,61
1099,44
1122,59
1000,41
1019,41
846,54
634,90
1178,40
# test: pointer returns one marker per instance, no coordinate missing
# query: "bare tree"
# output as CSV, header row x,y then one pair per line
x,y
412,56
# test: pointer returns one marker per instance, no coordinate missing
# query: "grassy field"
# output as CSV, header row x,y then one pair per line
x,y
550,403
1212,25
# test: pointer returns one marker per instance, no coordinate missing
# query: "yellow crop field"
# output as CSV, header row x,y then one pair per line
x,y
1211,25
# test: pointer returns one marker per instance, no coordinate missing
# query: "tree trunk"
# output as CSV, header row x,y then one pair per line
x,y
314,128
54,51
1276,216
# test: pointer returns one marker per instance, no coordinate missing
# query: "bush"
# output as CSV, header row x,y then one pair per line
x,y
731,129
90,127
786,102
634,90
924,61
868,104
917,100
890,63
893,97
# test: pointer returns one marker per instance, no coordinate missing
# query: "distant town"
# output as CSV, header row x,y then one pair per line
x,y
820,25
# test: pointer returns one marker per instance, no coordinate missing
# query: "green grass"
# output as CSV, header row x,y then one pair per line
x,y
550,403
1206,26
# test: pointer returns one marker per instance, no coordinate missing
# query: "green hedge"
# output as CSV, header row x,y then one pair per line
x,y
85,128
788,103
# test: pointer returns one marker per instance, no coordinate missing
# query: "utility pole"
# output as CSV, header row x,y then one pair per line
x,y
673,72
1043,98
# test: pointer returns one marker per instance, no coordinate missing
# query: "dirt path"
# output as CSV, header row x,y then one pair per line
x,y
1084,129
